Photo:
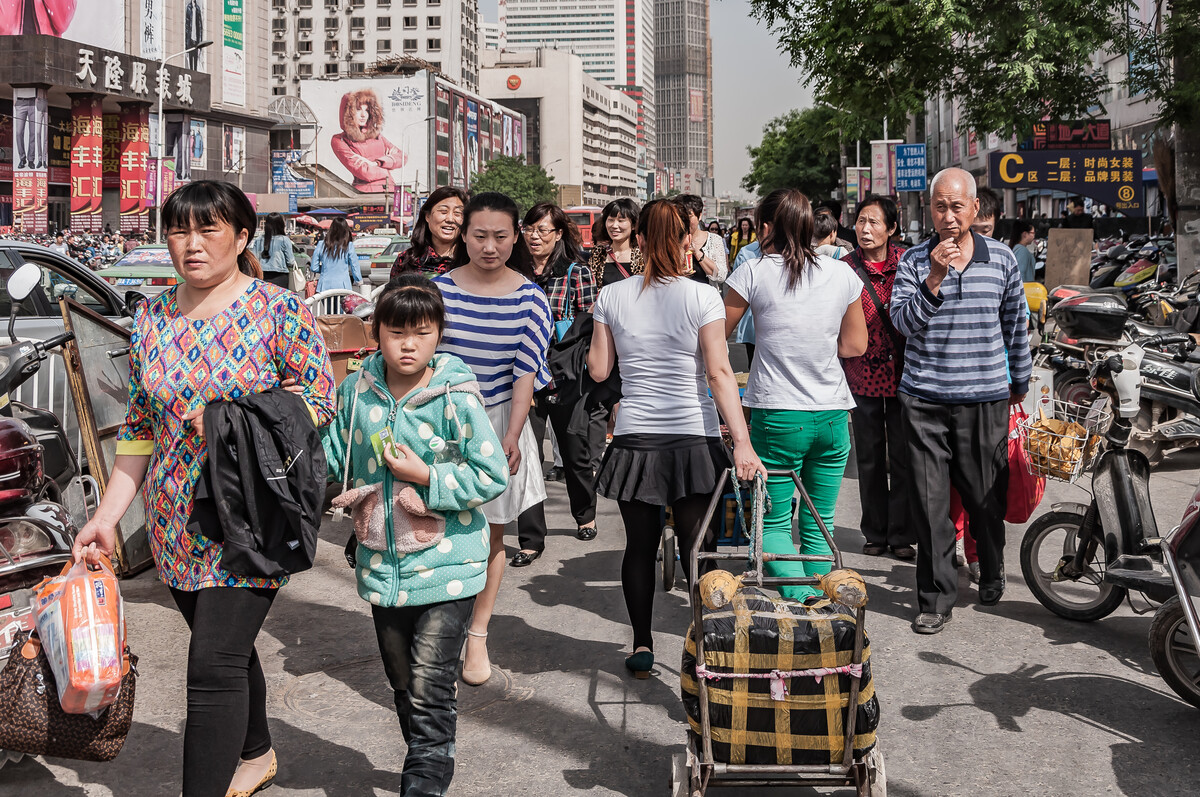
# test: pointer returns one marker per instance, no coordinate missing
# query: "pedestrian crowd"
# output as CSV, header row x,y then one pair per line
x,y
498,330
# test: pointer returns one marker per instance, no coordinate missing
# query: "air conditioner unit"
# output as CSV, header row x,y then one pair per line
x,y
331,34
279,34
295,56
358,34
305,35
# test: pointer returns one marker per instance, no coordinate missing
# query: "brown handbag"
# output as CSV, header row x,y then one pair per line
x,y
32,721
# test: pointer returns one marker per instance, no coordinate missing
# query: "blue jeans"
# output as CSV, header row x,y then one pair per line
x,y
420,646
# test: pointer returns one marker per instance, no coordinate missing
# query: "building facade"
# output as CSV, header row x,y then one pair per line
x,y
683,86
582,132
614,40
312,39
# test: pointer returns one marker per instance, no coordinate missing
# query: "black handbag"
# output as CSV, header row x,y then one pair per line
x,y
33,722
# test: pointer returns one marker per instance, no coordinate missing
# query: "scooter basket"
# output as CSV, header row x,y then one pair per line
x,y
1064,440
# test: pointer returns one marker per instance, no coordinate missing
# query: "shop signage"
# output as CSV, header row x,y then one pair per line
x,y
134,162
1081,134
233,54
87,163
911,168
1112,177
31,122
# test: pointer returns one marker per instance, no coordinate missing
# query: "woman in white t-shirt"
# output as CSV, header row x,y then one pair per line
x,y
668,331
807,314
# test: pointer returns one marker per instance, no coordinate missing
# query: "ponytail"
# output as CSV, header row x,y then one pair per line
x,y
663,226
791,218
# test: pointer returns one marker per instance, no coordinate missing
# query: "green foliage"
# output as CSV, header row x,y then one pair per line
x,y
802,149
1008,63
1156,49
526,184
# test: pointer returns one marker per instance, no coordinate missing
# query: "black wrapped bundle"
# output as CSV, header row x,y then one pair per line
x,y
757,634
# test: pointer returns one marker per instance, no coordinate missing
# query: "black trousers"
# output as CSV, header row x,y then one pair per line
x,y
420,646
643,537
226,692
880,451
964,446
279,278
581,459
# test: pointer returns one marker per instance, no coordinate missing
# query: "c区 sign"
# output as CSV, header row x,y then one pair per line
x,y
1081,134
1112,177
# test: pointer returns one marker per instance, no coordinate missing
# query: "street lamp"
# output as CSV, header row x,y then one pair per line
x,y
162,64
416,168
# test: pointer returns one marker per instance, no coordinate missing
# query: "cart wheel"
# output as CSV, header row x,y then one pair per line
x,y
876,770
680,777
668,559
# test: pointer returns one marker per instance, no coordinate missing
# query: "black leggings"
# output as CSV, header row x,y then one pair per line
x,y
643,537
226,691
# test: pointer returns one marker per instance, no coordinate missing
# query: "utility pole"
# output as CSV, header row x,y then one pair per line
x,y
1187,181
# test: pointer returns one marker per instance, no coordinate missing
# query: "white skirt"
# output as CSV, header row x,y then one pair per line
x,y
527,487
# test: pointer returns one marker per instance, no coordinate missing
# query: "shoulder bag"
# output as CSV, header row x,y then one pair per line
x,y
882,308
561,326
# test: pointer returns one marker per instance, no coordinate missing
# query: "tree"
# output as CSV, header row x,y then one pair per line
x,y
1008,63
527,184
802,149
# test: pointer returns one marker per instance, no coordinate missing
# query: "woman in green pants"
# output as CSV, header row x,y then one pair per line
x,y
807,314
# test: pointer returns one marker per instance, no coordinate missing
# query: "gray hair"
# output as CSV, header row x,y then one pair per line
x,y
967,178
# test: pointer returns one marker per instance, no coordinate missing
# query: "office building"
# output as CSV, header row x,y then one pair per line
x,y
683,87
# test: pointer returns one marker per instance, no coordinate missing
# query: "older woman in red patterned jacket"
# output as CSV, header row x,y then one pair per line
x,y
361,147
873,379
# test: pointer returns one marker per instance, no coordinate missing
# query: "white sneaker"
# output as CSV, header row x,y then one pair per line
x,y
960,554
973,574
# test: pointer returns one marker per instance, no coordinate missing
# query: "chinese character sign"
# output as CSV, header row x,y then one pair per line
x,y
1082,134
87,163
233,54
134,162
911,168
112,150
31,141
883,167
1111,177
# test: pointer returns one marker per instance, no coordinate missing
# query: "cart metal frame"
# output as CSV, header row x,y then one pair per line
x,y
692,777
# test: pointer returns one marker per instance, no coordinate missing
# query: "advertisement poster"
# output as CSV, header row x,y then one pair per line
x,y
472,139
87,163
497,134
442,137
284,179
508,147
31,161
233,54
458,142
194,25
378,128
112,150
518,139
99,23
198,144
59,151
695,105
152,29
134,161
233,148
1111,177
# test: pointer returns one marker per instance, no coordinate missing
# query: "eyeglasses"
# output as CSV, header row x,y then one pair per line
x,y
539,232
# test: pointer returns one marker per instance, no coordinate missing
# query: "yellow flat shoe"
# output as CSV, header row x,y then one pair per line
x,y
267,780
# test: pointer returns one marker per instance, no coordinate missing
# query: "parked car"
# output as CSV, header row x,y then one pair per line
x,y
381,264
144,268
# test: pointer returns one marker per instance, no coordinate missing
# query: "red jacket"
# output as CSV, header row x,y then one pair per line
x,y
369,161
51,17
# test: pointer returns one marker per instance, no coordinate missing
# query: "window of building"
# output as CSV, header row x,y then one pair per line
x,y
331,47
357,3
358,23
433,23
357,67
433,3
383,23
278,70
332,23
278,91
304,70
410,3
436,65
410,23
383,46
358,46
383,3
279,24
304,47
279,48
304,23
331,69
410,45
304,3
278,3
332,4
433,45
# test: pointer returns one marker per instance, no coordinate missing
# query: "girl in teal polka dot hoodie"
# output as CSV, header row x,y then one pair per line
x,y
445,425
412,417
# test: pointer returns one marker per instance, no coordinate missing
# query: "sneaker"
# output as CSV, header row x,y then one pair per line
x,y
931,622
556,474
960,553
973,572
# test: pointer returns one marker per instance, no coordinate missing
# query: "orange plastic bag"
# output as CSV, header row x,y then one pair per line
x,y
81,623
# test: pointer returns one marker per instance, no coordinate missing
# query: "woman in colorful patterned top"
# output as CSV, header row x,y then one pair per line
x,y
221,334
435,235
498,323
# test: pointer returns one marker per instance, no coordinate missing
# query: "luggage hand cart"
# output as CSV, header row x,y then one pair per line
x,y
696,770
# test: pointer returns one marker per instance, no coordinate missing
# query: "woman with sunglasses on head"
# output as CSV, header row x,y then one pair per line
x,y
549,254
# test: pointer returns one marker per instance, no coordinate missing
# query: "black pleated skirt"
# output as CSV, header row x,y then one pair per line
x,y
661,469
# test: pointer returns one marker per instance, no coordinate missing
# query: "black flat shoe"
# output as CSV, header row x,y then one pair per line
x,y
525,558
556,474
874,549
990,596
586,533
640,664
905,553
931,622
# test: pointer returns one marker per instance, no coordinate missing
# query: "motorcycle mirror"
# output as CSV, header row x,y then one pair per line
x,y
20,284
132,300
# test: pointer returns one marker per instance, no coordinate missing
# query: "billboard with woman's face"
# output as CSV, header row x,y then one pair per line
x,y
99,23
373,130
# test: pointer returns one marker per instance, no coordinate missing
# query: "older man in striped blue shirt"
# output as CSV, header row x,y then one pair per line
x,y
959,300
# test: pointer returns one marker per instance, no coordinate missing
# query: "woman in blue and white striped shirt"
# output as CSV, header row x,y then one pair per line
x,y
499,323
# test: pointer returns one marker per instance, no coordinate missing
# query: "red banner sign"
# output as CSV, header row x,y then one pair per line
x,y
135,156
112,150
87,163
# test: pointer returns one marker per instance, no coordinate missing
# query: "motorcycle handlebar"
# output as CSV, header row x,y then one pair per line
x,y
1157,341
56,341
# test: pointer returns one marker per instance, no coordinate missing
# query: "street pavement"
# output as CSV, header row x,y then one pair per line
x,y
1008,700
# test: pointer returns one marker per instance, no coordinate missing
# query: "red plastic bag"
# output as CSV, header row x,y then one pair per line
x,y
1025,488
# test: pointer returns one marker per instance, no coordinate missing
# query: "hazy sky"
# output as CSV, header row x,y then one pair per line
x,y
752,84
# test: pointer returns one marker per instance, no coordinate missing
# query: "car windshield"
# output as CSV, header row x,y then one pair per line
x,y
145,256
371,242
581,219
396,248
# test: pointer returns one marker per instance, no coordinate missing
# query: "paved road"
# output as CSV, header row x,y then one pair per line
x,y
1007,701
